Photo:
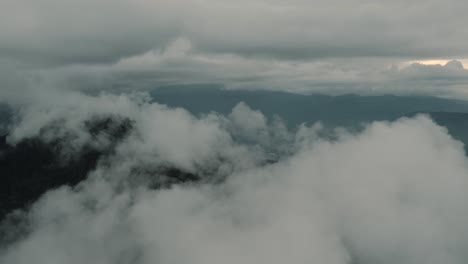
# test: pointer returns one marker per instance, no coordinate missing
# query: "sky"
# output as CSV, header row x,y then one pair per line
x,y
333,47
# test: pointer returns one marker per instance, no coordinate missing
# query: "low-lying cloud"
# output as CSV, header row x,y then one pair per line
x,y
394,192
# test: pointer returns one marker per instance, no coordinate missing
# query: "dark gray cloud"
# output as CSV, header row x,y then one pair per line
x,y
61,32
101,31
301,46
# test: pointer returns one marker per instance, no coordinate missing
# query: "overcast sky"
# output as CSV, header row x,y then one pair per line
x,y
335,46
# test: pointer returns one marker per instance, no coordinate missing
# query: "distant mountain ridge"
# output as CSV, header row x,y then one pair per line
x,y
295,108
348,110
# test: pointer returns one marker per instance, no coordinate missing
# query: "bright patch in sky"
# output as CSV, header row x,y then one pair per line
x,y
438,62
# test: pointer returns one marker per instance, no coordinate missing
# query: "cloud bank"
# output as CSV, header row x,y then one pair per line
x,y
394,192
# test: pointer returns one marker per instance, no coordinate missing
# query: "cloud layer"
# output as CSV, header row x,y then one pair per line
x,y
393,193
300,46
99,31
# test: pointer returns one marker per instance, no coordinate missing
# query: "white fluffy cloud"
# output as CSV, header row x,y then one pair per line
x,y
394,192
